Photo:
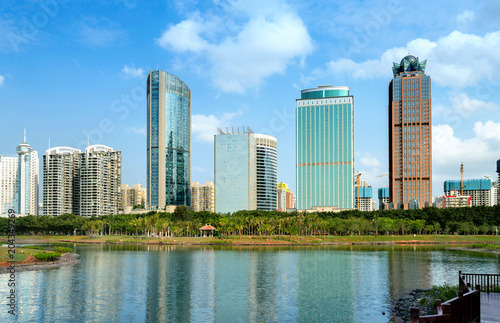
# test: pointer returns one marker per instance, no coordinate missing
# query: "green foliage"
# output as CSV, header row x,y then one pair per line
x,y
63,249
47,256
33,247
443,292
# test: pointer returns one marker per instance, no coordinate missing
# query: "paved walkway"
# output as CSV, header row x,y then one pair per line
x,y
490,307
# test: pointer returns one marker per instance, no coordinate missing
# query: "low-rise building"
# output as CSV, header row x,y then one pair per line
x,y
285,197
481,191
132,196
203,196
383,198
364,194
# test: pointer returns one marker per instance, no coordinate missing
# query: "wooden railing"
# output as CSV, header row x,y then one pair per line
x,y
464,308
487,282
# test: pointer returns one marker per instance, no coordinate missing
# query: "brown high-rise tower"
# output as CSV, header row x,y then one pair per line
x,y
410,135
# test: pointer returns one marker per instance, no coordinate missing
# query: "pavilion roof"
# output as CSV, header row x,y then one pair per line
x,y
207,227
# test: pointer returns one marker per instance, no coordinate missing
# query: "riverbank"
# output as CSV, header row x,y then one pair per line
x,y
66,259
497,251
263,240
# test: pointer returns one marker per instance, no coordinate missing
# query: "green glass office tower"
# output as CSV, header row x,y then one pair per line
x,y
325,148
169,140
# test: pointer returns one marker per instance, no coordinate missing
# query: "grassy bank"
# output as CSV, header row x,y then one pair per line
x,y
266,240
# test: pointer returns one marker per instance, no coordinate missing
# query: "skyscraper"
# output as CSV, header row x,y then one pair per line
x,y
86,184
8,179
100,180
410,134
325,148
61,181
267,172
26,199
235,170
169,140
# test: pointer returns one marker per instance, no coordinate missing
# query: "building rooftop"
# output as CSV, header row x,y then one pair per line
x,y
409,63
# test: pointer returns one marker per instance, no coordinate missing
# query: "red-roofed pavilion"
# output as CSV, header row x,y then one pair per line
x,y
207,228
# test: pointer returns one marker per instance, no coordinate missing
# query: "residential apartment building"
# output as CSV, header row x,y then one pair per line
x,y
8,179
100,180
168,141
285,197
203,196
131,196
86,184
325,148
410,134
61,181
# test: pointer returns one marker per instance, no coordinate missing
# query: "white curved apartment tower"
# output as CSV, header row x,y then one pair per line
x,y
267,172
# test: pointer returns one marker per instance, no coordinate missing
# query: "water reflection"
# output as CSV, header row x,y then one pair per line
x,y
136,283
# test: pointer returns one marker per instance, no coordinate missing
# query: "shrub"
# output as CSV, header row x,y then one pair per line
x,y
63,249
443,292
47,256
479,245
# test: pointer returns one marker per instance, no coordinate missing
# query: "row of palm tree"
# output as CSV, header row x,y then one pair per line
x,y
159,225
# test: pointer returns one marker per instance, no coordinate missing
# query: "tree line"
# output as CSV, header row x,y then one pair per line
x,y
183,222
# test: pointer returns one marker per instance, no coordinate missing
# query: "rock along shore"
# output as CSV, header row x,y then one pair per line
x,y
401,310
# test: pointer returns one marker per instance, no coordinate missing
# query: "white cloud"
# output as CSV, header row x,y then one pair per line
x,y
184,36
477,152
130,72
488,130
464,106
205,127
456,60
2,79
369,161
100,32
139,131
465,18
260,38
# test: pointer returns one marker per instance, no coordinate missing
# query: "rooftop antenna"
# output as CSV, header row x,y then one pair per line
x,y
24,134
49,142
88,141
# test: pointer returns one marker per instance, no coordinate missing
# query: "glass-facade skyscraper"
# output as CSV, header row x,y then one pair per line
x,y
267,172
168,140
410,135
325,148
235,169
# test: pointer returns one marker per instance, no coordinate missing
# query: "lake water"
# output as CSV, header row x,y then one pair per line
x,y
136,283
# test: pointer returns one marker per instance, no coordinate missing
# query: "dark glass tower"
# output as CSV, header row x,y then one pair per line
x,y
410,135
169,141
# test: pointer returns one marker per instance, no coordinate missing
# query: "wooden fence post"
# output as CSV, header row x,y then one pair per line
x,y
414,314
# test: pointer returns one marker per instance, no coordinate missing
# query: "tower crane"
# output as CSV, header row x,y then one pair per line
x,y
462,179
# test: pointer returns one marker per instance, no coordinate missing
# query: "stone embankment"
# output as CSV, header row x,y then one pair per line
x,y
66,259
402,306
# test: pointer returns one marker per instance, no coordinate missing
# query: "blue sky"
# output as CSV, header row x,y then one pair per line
x,y
69,69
